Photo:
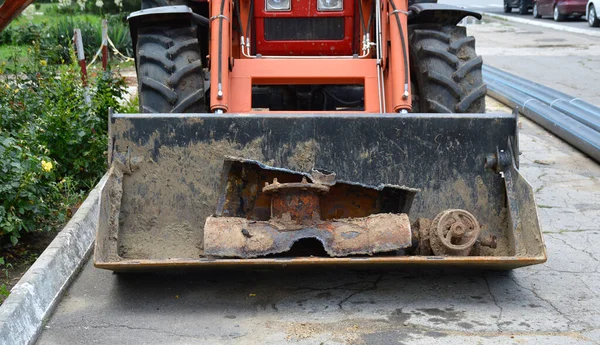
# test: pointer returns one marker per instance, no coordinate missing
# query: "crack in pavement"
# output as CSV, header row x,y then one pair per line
x,y
108,325
576,249
372,285
570,321
498,325
587,286
571,230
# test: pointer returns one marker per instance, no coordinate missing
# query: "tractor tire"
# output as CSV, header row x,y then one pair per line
x,y
153,3
445,70
159,3
170,74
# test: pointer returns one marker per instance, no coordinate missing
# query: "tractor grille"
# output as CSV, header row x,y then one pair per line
x,y
304,29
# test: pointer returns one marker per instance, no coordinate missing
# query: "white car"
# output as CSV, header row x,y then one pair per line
x,y
591,12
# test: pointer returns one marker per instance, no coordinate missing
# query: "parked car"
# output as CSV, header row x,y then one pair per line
x,y
523,5
559,9
591,13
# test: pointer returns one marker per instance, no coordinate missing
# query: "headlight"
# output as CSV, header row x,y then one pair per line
x,y
278,5
330,5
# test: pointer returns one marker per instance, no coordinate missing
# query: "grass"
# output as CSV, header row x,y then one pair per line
x,y
50,16
51,19
7,52
538,189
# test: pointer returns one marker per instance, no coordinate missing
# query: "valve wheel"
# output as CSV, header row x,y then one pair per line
x,y
454,232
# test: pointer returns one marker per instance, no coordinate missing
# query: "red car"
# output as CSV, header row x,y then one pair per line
x,y
559,9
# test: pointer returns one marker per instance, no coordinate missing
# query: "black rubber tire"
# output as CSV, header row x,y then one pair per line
x,y
170,75
523,8
445,70
153,3
507,8
536,12
592,18
158,3
557,16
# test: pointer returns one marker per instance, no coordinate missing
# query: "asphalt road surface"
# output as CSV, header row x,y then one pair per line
x,y
554,303
496,7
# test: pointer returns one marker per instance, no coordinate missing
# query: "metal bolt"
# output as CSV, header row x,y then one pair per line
x,y
491,162
489,241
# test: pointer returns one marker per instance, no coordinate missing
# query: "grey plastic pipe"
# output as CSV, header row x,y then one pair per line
x,y
548,96
570,130
554,93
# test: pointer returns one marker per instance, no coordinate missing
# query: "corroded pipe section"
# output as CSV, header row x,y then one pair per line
x,y
241,238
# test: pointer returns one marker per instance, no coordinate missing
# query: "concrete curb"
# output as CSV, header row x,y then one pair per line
x,y
590,32
24,312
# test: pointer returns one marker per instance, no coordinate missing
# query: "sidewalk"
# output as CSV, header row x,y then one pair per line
x,y
564,61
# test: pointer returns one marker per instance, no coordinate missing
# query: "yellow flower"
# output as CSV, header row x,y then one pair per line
x,y
43,62
47,166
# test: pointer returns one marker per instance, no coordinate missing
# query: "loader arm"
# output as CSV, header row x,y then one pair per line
x,y
11,10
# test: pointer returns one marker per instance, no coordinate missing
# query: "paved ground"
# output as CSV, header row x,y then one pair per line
x,y
564,61
554,303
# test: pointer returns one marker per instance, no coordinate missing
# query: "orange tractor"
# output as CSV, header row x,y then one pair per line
x,y
307,55
311,132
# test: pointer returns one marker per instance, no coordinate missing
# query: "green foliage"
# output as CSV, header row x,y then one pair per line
x,y
55,36
118,31
91,6
52,141
132,106
4,292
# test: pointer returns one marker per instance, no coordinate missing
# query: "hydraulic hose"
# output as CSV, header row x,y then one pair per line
x,y
362,18
239,19
200,20
371,16
248,26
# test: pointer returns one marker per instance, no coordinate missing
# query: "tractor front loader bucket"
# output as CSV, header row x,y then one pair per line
x,y
313,189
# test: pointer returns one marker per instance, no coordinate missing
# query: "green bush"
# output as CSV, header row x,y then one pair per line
x,y
91,6
55,37
52,142
57,45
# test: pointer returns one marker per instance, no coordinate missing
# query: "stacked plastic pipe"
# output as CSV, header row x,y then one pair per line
x,y
572,119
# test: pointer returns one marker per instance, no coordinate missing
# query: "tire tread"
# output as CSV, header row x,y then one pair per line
x,y
170,70
446,70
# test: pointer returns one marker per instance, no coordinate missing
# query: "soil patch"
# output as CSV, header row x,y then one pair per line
x,y
19,258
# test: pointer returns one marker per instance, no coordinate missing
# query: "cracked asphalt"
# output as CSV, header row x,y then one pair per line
x,y
553,303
